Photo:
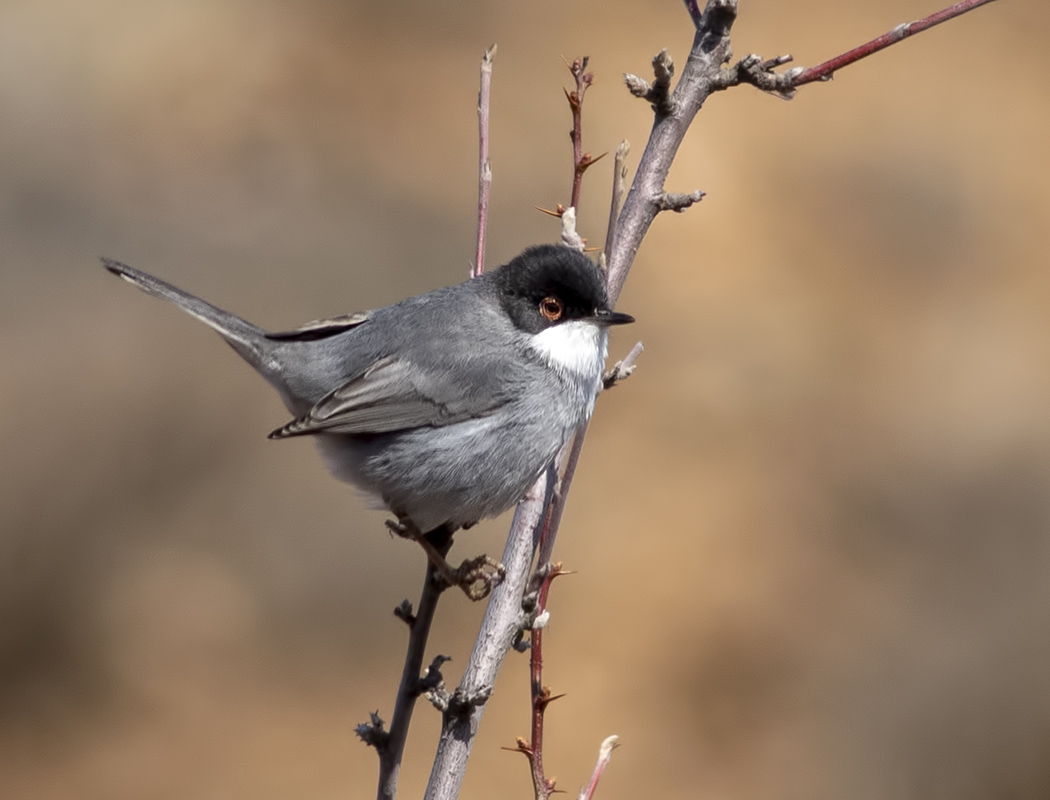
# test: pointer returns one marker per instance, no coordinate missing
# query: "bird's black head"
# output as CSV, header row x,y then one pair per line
x,y
550,284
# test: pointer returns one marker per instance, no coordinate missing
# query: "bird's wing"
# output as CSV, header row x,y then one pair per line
x,y
392,395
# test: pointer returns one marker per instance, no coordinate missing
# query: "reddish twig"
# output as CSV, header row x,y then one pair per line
x,y
543,787
580,160
752,69
604,757
825,71
484,167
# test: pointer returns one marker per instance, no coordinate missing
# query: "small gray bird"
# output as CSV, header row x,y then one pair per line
x,y
444,408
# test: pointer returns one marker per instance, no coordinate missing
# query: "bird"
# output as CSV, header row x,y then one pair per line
x,y
443,408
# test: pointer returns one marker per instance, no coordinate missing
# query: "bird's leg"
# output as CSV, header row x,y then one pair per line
x,y
475,576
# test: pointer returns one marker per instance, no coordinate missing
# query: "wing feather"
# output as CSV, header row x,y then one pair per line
x,y
390,395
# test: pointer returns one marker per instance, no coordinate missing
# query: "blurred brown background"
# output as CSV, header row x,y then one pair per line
x,y
812,534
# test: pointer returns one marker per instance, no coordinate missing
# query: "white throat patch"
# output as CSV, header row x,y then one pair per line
x,y
576,347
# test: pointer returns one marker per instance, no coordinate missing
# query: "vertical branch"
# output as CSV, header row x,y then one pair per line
x,y
503,622
541,695
618,189
484,167
391,745
580,160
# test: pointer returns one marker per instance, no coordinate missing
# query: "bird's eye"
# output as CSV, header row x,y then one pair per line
x,y
551,308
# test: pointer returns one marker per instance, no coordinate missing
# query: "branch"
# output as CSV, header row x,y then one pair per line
x,y
580,160
542,786
754,71
538,516
825,71
391,745
618,189
484,167
504,619
711,49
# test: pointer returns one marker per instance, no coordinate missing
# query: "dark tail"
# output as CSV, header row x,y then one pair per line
x,y
247,339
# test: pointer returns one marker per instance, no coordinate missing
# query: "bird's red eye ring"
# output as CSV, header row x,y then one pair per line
x,y
551,308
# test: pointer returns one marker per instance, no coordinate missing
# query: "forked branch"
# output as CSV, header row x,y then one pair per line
x,y
704,72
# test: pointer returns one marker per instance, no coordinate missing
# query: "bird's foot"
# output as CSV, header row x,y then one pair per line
x,y
477,577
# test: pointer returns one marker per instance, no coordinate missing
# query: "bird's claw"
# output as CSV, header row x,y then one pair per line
x,y
477,577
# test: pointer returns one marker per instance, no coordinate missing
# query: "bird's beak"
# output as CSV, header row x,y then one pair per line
x,y
604,316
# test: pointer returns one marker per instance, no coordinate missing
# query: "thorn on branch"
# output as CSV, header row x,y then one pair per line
x,y
588,160
545,698
677,202
373,733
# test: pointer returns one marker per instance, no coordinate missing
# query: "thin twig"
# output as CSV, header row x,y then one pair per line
x,y
392,747
541,696
618,189
504,619
580,160
825,71
604,757
484,167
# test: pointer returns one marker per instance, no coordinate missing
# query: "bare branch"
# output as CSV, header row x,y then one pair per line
x,y
618,189
541,695
825,71
484,167
391,745
753,70
503,621
580,160
710,50
538,517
